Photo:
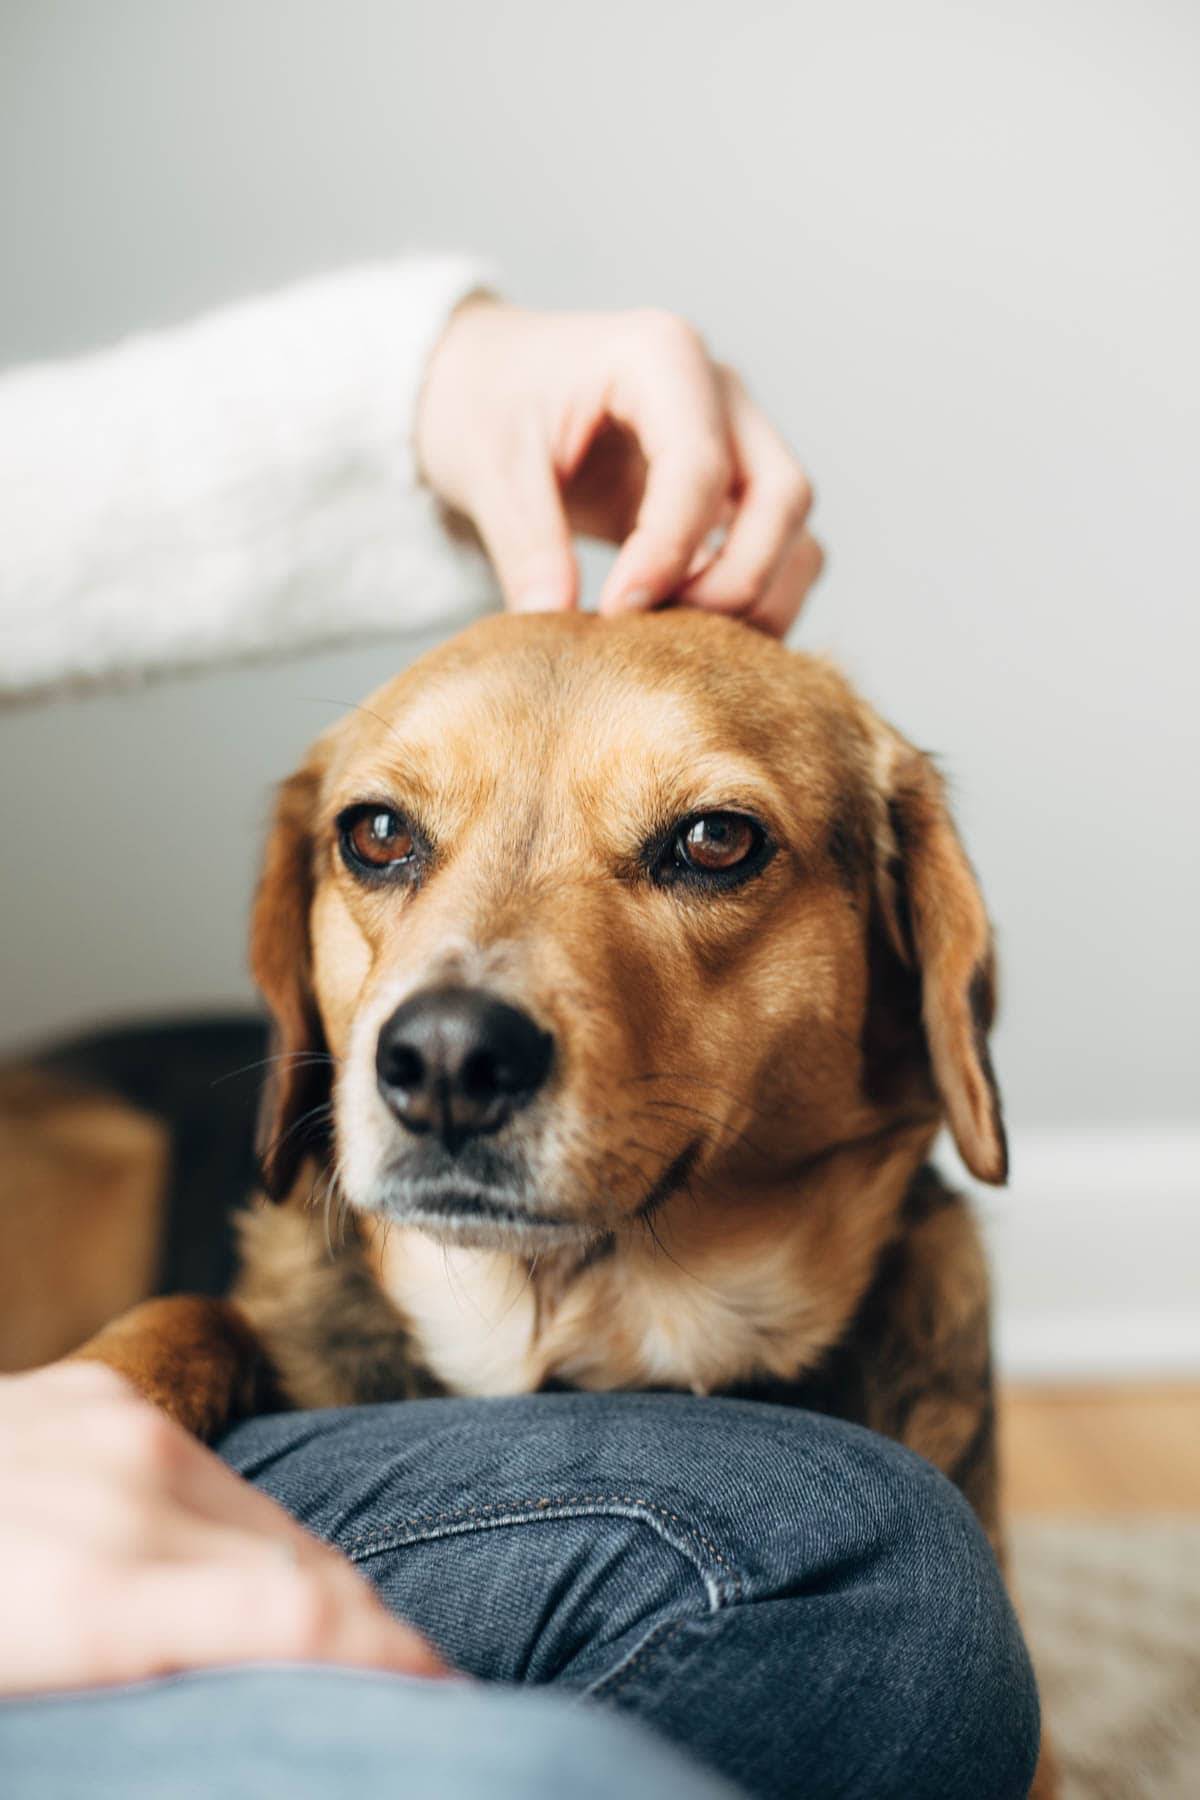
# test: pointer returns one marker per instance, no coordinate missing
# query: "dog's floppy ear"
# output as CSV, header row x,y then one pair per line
x,y
281,962
938,925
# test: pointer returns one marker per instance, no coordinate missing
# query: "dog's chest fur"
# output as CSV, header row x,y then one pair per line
x,y
389,1312
488,1324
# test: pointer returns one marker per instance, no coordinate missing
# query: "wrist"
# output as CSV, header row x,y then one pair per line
x,y
443,402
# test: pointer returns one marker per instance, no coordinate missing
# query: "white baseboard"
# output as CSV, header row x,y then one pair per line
x,y
1096,1254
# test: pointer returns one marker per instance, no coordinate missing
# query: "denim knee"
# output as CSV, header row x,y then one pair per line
x,y
854,1635
953,1672
872,1649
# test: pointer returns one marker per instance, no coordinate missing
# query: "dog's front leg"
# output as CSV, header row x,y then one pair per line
x,y
199,1360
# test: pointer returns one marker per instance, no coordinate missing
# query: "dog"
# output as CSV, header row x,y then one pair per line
x,y
622,976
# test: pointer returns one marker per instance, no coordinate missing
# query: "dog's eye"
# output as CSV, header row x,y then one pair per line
x,y
717,849
716,842
376,838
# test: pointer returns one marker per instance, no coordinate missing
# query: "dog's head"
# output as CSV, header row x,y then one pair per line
x,y
575,914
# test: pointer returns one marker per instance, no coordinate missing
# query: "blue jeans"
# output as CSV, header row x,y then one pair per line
x,y
800,1606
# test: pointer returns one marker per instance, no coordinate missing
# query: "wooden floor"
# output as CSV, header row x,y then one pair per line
x,y
1101,1450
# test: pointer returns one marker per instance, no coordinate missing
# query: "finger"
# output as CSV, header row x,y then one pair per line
x,y
774,500
518,512
669,397
197,1616
776,612
685,490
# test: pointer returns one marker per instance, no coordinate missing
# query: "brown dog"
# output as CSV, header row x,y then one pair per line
x,y
622,974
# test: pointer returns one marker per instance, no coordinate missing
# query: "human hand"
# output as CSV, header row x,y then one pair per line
x,y
620,426
129,1550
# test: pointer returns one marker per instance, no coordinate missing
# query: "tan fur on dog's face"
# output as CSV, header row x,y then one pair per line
x,y
705,1040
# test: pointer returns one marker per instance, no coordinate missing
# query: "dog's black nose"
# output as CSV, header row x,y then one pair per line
x,y
458,1062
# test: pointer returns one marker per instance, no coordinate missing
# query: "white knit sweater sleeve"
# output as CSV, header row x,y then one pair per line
x,y
237,487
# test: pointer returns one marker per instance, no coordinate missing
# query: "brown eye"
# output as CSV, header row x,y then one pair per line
x,y
718,843
376,838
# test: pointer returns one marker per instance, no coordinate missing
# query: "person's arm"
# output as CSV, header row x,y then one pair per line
x,y
272,478
237,487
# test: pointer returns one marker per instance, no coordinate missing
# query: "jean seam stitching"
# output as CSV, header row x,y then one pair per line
x,y
724,1588
545,1500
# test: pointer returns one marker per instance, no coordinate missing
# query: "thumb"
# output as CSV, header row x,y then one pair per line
x,y
519,515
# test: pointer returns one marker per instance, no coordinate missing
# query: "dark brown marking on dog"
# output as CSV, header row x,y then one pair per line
x,y
848,848
281,957
893,1045
332,1335
927,1195
966,1469
603,1248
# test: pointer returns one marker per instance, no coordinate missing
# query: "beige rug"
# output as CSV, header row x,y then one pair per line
x,y
1112,1613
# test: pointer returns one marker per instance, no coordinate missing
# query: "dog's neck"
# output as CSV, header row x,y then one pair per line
x,y
730,1285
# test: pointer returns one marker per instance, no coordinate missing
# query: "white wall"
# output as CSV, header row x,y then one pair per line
x,y
953,245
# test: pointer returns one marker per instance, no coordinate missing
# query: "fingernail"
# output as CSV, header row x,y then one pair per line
x,y
539,600
639,599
